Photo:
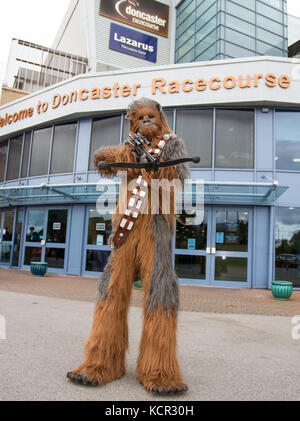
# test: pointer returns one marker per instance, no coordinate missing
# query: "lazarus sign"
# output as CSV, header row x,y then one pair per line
x,y
148,15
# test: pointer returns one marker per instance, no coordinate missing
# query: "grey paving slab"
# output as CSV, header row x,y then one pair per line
x,y
222,356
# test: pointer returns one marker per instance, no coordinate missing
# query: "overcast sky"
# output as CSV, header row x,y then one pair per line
x,y
38,21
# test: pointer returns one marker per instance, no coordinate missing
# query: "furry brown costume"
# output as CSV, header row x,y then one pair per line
x,y
147,251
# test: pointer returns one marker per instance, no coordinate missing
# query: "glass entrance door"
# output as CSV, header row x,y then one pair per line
x,y
216,251
230,251
6,236
46,237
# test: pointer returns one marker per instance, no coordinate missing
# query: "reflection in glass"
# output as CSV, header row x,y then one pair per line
x,y
62,158
99,228
195,127
3,152
8,225
234,139
231,269
105,131
40,150
232,229
14,157
55,257
5,253
287,245
191,237
190,267
96,260
26,149
32,254
35,225
57,225
17,239
287,135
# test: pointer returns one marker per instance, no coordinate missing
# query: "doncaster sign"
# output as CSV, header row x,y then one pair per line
x,y
149,15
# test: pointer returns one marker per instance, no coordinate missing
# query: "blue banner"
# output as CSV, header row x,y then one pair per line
x,y
132,42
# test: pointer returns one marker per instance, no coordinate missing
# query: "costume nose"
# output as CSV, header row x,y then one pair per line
x,y
146,120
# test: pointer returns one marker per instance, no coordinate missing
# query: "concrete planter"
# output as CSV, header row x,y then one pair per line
x,y
282,290
38,268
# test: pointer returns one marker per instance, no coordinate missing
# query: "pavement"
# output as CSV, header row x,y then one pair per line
x,y
224,355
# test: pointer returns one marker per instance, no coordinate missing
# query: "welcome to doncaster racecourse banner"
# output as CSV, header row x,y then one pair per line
x,y
256,81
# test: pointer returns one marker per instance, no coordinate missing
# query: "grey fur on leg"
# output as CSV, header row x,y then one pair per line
x,y
104,280
163,287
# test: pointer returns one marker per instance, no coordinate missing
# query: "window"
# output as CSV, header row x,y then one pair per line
x,y
14,157
3,153
287,245
268,37
40,152
26,150
287,136
195,128
234,139
240,11
62,159
240,39
105,132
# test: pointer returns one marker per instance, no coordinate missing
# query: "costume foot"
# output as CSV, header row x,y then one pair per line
x,y
162,383
92,376
83,378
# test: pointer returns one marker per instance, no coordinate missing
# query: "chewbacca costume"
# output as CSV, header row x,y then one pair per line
x,y
146,250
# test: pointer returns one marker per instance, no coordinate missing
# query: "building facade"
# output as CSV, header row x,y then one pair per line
x,y
219,29
241,116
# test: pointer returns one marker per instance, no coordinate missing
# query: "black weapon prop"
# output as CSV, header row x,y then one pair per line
x,y
137,142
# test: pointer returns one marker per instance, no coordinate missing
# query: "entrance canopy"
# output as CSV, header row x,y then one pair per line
x,y
107,192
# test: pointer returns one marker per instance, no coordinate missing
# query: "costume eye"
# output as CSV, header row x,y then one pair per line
x,y
151,116
141,118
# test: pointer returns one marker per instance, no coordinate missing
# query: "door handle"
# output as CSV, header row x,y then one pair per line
x,y
207,250
213,250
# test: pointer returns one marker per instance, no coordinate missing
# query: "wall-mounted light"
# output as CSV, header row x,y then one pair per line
x,y
265,110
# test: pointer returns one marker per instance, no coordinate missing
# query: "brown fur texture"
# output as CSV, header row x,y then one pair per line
x,y
157,369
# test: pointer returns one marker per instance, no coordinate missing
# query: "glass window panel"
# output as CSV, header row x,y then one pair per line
x,y
186,24
169,116
234,51
269,11
14,157
250,4
190,267
105,132
3,153
206,43
240,25
234,139
208,54
240,12
96,260
189,33
57,225
206,10
40,152
232,229
287,135
63,149
269,24
270,38
268,50
188,235
32,254
55,257
206,29
26,149
187,58
190,8
287,245
8,225
240,39
186,47
35,225
195,128
230,269
5,253
99,228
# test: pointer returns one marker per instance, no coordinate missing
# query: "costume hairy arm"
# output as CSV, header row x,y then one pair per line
x,y
110,154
